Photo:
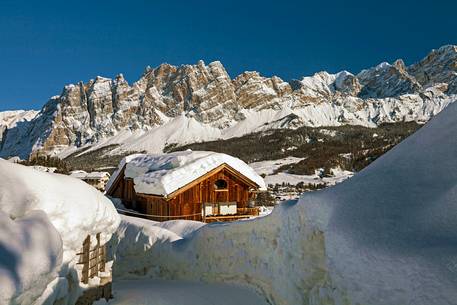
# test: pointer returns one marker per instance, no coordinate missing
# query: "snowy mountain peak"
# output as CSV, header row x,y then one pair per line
x,y
386,80
103,108
400,65
440,66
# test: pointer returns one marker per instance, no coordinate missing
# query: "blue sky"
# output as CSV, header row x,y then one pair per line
x,y
47,44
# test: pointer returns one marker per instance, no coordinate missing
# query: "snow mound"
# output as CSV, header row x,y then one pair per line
x,y
181,228
44,219
387,236
391,231
29,260
166,173
135,236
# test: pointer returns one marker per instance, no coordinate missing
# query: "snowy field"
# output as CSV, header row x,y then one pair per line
x,y
270,167
160,292
337,177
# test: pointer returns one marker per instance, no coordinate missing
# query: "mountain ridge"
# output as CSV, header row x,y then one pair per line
x,y
191,103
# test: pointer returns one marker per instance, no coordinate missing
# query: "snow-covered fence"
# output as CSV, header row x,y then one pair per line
x,y
93,260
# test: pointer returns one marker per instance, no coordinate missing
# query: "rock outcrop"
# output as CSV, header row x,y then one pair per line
x,y
386,80
176,102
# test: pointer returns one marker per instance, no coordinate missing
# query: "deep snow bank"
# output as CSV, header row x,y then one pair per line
x,y
44,219
276,255
136,236
30,252
391,231
387,236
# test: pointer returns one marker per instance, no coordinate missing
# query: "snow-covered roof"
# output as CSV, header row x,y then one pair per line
x,y
166,173
44,168
80,174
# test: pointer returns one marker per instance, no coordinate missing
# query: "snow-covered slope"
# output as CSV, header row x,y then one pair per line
x,y
390,232
17,119
44,219
387,236
190,103
10,119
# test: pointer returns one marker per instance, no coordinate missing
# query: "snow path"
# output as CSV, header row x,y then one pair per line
x,y
161,292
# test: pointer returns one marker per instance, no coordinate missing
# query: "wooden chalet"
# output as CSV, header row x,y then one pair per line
x,y
222,193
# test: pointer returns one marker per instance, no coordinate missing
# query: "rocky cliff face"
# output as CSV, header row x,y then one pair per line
x,y
172,104
386,80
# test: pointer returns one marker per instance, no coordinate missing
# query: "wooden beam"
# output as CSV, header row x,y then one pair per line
x,y
149,195
116,181
209,174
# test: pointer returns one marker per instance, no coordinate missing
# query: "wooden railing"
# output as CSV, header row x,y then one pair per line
x,y
196,217
92,259
225,218
242,213
248,211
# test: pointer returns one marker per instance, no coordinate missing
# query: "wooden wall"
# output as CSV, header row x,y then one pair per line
x,y
188,203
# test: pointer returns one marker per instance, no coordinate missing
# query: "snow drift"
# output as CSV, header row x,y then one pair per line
x,y
387,236
44,219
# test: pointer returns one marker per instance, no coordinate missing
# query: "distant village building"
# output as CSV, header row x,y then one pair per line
x,y
193,185
96,179
44,168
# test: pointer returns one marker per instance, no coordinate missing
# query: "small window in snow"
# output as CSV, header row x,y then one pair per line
x,y
220,184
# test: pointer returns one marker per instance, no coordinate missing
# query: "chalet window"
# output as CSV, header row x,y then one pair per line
x,y
220,184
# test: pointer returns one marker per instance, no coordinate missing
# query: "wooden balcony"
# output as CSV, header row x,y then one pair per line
x,y
248,211
242,213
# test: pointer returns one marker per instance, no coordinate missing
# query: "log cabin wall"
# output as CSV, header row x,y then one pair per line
x,y
188,202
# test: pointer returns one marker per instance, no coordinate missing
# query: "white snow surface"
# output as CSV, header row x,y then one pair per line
x,y
166,173
10,119
80,174
44,219
390,231
387,236
338,175
160,292
269,167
